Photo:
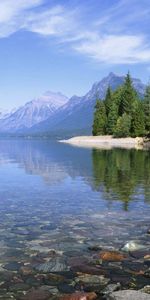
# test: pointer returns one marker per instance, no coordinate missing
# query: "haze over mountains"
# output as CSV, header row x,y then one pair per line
x,y
55,114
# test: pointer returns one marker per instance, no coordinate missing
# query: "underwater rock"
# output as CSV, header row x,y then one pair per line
x,y
128,295
26,271
80,296
92,282
132,246
13,266
37,294
112,256
55,264
110,288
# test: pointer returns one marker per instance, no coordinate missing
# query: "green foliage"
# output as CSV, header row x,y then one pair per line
x,y
117,94
128,97
100,119
146,108
108,100
138,124
112,118
122,113
123,126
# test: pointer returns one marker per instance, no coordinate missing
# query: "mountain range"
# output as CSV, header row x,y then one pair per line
x,y
55,114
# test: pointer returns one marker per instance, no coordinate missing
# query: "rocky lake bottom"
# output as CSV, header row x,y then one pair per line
x,y
74,223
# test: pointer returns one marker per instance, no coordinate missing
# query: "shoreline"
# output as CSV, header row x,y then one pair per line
x,y
106,142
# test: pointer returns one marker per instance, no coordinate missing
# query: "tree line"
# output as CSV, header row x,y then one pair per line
x,y
123,113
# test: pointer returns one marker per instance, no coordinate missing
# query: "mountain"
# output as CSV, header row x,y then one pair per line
x,y
5,113
76,116
54,114
32,112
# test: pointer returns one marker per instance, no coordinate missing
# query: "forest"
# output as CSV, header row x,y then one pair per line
x,y
123,113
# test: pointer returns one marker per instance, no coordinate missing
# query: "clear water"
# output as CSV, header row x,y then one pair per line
x,y
55,196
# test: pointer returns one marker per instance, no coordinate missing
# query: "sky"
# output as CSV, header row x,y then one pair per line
x,y
66,46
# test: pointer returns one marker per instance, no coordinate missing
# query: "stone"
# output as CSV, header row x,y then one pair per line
x,y
52,289
54,278
77,261
89,269
134,267
19,287
26,271
37,294
56,264
132,246
147,257
94,248
146,289
128,295
92,282
112,256
65,288
138,254
110,288
13,266
147,273
80,296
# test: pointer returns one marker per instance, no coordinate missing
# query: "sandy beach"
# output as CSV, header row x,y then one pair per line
x,y
105,142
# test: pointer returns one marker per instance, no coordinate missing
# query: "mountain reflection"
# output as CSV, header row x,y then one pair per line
x,y
123,174
116,174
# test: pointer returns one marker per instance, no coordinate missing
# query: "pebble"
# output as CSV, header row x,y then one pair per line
x,y
80,296
128,295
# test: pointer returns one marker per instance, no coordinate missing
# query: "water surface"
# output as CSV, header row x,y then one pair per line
x,y
55,196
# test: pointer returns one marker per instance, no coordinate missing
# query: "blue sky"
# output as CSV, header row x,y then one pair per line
x,y
68,45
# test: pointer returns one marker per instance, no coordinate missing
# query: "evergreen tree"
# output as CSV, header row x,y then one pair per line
x,y
108,100
146,107
117,95
122,113
138,124
123,126
128,97
112,118
100,119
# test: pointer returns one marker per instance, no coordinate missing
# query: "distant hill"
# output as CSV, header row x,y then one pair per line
x,y
54,114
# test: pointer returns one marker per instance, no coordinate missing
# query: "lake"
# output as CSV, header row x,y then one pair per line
x,y
60,206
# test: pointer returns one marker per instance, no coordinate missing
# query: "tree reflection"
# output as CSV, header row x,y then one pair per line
x,y
122,173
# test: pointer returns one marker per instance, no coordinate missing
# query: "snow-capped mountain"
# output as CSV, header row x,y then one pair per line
x,y
5,113
53,113
32,112
76,116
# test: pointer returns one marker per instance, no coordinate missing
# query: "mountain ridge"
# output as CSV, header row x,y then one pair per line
x,y
33,112
67,115
77,114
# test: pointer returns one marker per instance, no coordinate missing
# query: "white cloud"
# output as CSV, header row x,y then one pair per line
x,y
55,21
116,49
12,14
104,38
10,9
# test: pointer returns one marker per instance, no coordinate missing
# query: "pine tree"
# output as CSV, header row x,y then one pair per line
x,y
138,124
146,107
123,126
108,100
100,119
128,97
112,118
117,95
